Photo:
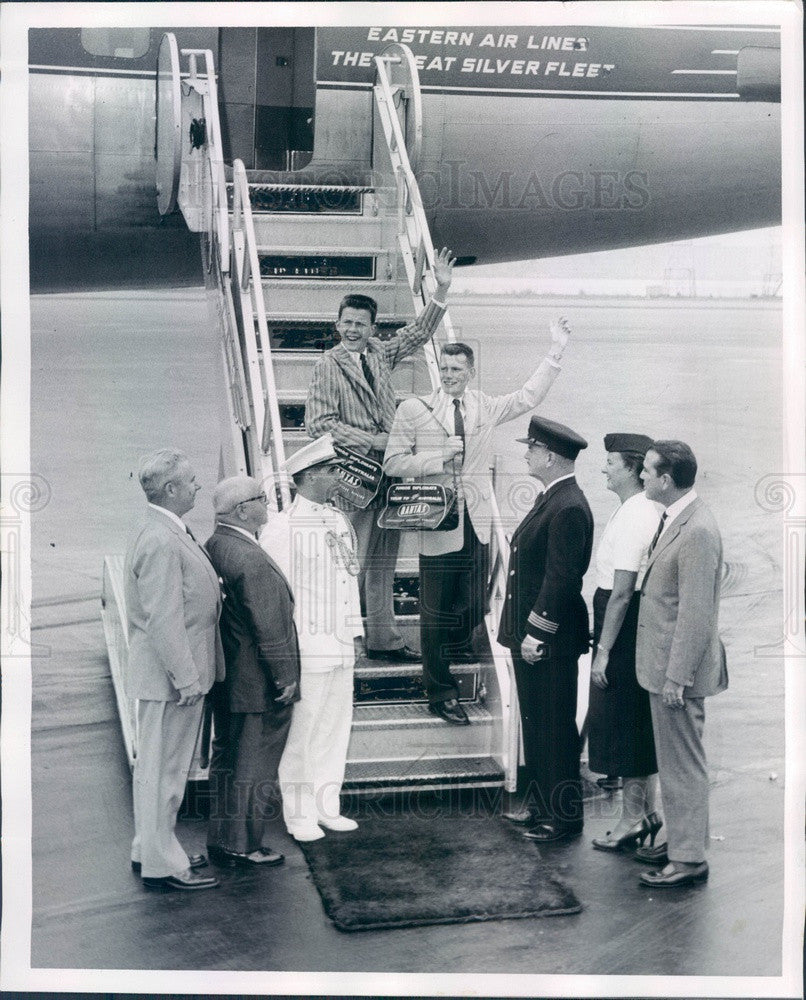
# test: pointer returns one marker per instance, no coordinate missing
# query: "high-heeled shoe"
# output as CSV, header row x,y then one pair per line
x,y
654,823
636,835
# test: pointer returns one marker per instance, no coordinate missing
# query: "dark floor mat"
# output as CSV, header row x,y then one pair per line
x,y
414,869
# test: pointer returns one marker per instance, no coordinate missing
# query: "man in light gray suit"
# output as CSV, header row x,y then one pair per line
x,y
679,657
173,600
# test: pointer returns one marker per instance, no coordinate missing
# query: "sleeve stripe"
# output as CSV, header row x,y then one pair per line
x,y
538,621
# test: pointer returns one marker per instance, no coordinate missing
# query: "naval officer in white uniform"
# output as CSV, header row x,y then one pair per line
x,y
314,545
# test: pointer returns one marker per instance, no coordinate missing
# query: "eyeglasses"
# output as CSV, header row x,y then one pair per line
x,y
261,497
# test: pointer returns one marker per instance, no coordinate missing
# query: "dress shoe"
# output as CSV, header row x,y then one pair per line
x,y
523,817
611,783
450,710
186,880
652,855
262,856
636,835
674,874
342,824
552,833
405,654
307,833
194,861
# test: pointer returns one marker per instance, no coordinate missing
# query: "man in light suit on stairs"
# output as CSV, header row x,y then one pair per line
x,y
446,438
679,657
173,600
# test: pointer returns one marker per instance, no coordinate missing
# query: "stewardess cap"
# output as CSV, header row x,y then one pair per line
x,y
639,443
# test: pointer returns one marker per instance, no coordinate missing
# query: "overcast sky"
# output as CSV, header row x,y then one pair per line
x,y
734,264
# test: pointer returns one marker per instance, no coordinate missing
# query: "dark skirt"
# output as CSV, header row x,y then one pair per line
x,y
620,739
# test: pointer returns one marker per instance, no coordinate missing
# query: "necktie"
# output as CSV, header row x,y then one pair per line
x,y
459,424
658,533
367,373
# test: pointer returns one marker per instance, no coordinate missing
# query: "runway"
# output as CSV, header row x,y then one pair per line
x,y
116,374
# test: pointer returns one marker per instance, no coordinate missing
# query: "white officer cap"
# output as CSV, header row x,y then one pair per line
x,y
317,452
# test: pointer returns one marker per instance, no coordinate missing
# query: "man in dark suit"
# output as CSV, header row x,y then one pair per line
x,y
352,397
545,625
173,600
679,658
252,707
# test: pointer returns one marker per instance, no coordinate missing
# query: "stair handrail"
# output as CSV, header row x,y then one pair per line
x,y
214,148
243,222
412,221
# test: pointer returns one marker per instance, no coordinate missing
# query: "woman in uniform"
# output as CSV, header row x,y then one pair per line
x,y
620,739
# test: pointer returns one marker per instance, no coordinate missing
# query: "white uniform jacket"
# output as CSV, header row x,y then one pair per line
x,y
312,544
421,428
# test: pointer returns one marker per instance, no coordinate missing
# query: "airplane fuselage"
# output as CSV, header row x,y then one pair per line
x,y
536,141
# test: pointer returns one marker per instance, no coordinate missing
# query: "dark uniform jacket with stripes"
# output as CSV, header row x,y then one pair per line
x,y
549,555
339,399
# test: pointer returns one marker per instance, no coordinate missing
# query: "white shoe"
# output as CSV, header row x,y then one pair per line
x,y
308,833
342,824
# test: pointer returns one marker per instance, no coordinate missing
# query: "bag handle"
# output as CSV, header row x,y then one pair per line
x,y
453,460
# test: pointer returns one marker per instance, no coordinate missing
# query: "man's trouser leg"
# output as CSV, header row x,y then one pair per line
x,y
469,585
296,770
547,693
166,739
377,556
683,774
437,581
329,740
243,775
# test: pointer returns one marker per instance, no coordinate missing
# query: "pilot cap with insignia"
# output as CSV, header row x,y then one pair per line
x,y
556,437
639,443
316,453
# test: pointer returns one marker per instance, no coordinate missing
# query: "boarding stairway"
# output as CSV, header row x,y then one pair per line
x,y
279,252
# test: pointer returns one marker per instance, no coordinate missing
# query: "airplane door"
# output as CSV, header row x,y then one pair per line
x,y
168,141
267,93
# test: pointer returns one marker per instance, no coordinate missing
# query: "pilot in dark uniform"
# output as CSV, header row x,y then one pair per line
x,y
545,624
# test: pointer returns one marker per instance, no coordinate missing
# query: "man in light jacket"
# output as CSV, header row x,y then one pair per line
x,y
446,438
173,600
679,657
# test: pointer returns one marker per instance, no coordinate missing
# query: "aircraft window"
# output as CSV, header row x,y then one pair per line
x,y
121,43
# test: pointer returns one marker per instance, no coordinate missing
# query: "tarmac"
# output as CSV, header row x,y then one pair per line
x,y
114,375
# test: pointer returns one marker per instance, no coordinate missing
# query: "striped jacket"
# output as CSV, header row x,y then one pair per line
x,y
339,399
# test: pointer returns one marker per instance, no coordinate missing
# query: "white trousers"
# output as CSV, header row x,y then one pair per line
x,y
166,739
311,769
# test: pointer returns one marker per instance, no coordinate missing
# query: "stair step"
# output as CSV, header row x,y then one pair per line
x,y
323,199
294,297
369,234
385,685
409,729
415,716
366,668
418,771
321,267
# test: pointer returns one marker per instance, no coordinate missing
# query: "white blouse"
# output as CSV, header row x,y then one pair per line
x,y
626,540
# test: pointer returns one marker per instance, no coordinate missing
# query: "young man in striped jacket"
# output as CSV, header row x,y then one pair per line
x,y
351,396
